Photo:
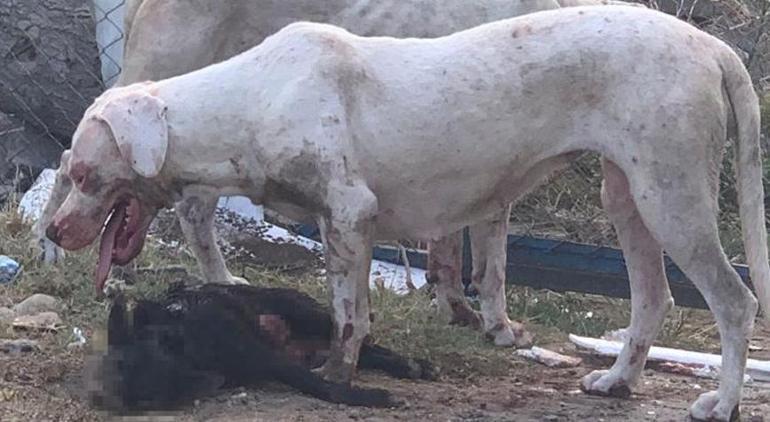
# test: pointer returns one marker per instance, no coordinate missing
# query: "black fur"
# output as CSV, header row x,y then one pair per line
x,y
198,339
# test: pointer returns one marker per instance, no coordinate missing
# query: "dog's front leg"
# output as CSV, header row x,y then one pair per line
x,y
196,218
348,234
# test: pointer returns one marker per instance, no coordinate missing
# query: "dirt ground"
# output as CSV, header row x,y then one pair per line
x,y
49,386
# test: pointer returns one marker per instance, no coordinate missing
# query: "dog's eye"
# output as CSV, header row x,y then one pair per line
x,y
79,175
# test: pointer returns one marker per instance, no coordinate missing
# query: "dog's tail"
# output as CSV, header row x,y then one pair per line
x,y
748,168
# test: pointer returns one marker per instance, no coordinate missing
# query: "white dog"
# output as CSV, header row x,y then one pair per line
x,y
164,39
357,132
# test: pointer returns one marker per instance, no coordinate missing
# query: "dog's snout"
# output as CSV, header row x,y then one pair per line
x,y
52,232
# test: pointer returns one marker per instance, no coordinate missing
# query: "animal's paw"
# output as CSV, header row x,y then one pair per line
x,y
421,369
341,373
709,407
509,334
605,383
464,316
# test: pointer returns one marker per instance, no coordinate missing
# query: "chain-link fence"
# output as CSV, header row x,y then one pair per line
x,y
51,68
108,15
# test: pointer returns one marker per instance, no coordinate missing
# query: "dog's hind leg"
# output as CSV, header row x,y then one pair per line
x,y
677,201
196,218
310,383
383,359
245,359
444,272
650,295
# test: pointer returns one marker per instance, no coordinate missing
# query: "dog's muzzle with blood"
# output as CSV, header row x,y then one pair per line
x,y
122,237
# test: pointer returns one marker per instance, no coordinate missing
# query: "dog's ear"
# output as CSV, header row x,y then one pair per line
x,y
137,120
118,332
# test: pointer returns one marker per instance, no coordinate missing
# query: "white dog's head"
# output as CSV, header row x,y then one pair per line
x,y
116,158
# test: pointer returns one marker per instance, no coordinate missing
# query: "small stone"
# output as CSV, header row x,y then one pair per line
x,y
19,346
6,315
44,321
243,398
550,418
36,304
8,269
549,358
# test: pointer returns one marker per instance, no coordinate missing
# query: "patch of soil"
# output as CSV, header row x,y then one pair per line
x,y
250,250
47,386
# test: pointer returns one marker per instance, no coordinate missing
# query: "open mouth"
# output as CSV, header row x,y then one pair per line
x,y
122,238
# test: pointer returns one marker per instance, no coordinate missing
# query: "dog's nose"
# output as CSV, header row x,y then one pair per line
x,y
52,232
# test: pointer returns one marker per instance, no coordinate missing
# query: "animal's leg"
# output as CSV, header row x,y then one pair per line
x,y
50,252
347,233
383,359
734,307
245,359
444,271
678,205
650,295
196,218
488,277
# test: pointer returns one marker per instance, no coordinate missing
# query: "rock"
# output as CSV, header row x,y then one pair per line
x,y
36,304
44,321
549,358
6,315
19,346
8,269
34,200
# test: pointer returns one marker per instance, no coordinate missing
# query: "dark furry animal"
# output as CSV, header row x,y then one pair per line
x,y
199,339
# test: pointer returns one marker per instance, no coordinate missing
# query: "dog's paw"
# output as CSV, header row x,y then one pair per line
x,y
338,374
464,316
510,334
426,370
709,407
605,383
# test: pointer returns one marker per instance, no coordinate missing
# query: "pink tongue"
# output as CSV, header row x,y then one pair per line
x,y
107,244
